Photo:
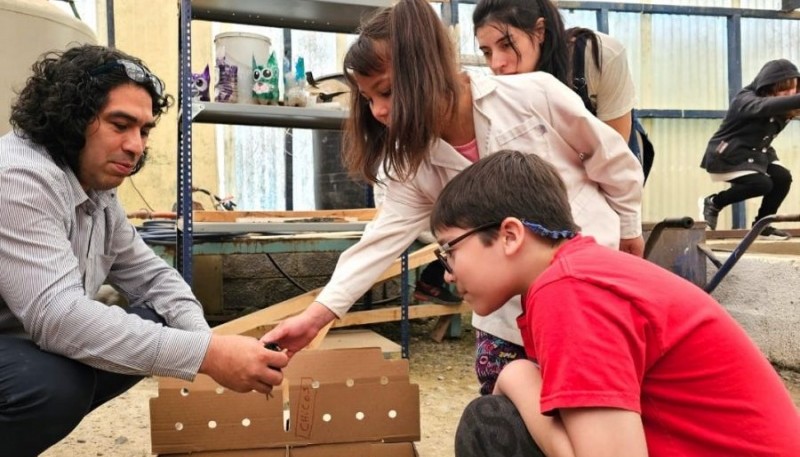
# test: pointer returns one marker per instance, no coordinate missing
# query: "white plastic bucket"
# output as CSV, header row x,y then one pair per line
x,y
239,48
28,29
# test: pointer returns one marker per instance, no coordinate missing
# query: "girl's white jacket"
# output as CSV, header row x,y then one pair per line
x,y
532,113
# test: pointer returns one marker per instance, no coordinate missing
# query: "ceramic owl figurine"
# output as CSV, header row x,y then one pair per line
x,y
265,82
226,90
200,84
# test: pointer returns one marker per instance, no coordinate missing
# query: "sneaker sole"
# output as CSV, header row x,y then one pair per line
x,y
701,216
700,207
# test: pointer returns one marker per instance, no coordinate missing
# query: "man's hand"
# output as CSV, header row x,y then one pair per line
x,y
242,364
296,332
633,246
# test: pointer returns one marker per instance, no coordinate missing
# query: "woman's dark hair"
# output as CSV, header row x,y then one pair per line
x,y
411,39
588,35
772,89
523,15
63,97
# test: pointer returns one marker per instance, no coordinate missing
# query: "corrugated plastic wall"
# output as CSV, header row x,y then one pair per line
x,y
682,64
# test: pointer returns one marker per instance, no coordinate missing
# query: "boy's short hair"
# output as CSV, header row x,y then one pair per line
x,y
505,184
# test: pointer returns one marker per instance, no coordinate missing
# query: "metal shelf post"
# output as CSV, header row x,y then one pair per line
x,y
404,302
183,261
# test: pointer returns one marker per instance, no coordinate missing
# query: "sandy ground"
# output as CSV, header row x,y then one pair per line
x,y
443,371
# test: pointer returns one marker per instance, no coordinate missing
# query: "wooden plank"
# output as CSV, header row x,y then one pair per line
x,y
392,314
738,234
361,214
440,329
418,258
259,322
207,285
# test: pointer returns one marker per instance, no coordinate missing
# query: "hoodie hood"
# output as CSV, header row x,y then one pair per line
x,y
774,71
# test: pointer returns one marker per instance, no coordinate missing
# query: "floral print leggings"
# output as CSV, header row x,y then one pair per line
x,y
492,354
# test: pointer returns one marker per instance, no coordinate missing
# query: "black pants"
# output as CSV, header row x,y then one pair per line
x,y
44,396
492,427
773,186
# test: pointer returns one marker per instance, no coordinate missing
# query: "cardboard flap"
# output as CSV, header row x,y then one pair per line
x,y
339,365
322,450
324,366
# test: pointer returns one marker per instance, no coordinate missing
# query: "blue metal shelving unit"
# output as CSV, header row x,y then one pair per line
x,y
324,15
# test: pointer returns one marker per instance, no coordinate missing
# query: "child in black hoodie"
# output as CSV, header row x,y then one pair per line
x,y
741,151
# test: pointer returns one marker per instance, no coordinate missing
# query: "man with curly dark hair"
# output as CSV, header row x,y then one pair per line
x,y
81,126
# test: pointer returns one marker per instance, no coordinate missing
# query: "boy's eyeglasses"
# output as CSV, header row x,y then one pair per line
x,y
133,71
442,252
538,229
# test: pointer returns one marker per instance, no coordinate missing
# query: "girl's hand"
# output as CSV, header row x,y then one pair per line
x,y
633,246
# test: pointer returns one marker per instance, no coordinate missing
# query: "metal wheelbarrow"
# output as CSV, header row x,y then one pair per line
x,y
686,262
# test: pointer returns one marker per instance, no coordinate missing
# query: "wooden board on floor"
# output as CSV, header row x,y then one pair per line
x,y
360,338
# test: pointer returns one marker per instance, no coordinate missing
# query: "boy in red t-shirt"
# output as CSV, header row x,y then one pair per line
x,y
632,359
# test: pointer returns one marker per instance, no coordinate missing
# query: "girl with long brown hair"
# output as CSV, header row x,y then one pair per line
x,y
421,121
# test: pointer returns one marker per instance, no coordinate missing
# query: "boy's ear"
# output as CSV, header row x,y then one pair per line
x,y
512,235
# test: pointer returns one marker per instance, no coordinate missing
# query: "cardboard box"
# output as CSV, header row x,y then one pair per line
x,y
338,402
321,450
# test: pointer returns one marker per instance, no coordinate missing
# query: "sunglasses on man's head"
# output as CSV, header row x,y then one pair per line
x,y
133,71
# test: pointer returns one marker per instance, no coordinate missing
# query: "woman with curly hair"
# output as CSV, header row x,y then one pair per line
x,y
81,126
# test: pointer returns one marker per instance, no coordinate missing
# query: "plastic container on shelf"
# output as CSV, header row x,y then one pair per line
x,y
239,49
28,29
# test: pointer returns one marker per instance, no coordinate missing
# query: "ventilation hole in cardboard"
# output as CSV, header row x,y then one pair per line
x,y
245,422
326,417
219,390
184,392
178,426
384,380
212,424
360,416
349,382
315,384
392,414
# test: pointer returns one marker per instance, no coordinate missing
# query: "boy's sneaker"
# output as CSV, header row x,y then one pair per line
x,y
710,212
771,233
429,293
